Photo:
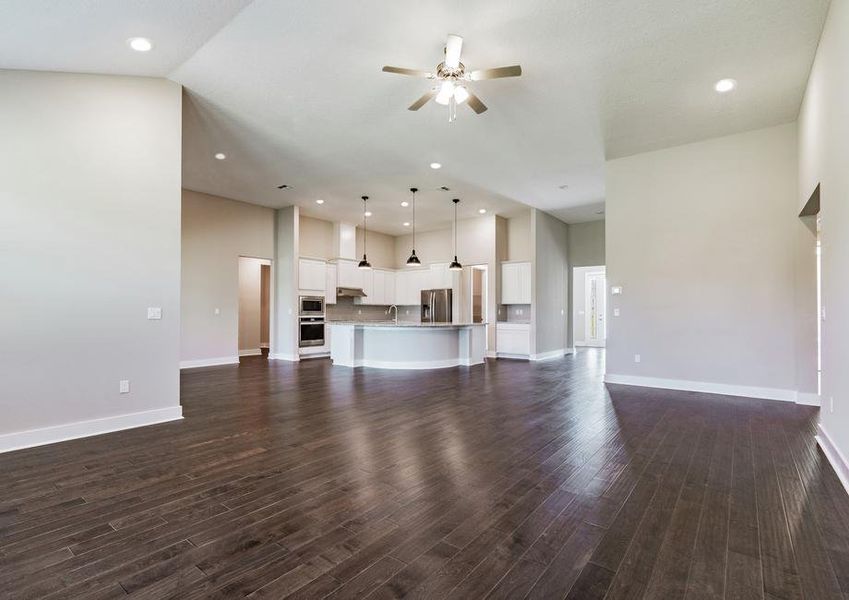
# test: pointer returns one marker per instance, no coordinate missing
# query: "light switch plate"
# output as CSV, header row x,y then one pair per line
x,y
154,312
637,358
217,311
124,386
616,290
615,312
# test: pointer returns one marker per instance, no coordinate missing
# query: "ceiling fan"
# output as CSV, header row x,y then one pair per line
x,y
452,80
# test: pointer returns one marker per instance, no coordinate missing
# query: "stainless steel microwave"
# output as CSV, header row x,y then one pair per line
x,y
311,306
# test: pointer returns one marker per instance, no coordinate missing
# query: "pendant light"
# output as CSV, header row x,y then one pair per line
x,y
364,263
455,265
414,261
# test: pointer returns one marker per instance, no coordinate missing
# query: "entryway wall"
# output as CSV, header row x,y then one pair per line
x,y
586,249
216,231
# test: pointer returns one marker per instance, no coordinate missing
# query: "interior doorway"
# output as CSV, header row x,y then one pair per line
x,y
589,305
254,306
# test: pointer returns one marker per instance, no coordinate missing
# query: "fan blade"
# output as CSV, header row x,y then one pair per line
x,y
452,51
496,73
422,101
475,103
410,72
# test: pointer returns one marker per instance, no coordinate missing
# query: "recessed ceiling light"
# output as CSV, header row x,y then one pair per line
x,y
406,223
565,186
482,211
725,85
435,166
319,201
405,204
140,44
368,213
220,156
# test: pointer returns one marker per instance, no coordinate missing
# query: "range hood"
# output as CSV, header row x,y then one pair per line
x,y
348,292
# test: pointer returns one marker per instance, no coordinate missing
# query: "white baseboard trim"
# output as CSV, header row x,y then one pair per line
x,y
835,457
808,398
209,362
513,356
71,431
703,386
251,352
491,354
549,355
288,357
315,355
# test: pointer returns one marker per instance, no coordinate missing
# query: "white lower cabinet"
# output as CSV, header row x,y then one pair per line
x,y
513,339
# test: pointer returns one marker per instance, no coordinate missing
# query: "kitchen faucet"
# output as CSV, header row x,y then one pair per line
x,y
396,312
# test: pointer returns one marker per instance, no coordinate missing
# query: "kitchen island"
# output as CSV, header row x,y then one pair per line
x,y
390,345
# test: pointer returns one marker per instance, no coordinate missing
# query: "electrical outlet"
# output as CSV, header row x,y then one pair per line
x,y
154,313
217,311
615,312
124,386
359,311
637,358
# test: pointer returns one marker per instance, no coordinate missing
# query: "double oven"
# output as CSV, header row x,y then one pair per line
x,y
310,321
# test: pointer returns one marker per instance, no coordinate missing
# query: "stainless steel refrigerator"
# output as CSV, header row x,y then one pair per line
x,y
436,306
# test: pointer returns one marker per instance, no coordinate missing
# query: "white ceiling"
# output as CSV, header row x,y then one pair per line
x,y
293,93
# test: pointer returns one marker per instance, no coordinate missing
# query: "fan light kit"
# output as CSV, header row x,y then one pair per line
x,y
452,80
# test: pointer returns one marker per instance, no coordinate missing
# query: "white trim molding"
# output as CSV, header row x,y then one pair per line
x,y
251,352
209,362
808,399
703,386
552,354
414,365
834,456
288,357
81,429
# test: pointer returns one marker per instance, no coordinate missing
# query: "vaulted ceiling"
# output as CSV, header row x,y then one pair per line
x,y
293,93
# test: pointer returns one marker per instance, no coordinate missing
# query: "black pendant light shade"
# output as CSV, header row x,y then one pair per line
x,y
414,261
364,263
455,264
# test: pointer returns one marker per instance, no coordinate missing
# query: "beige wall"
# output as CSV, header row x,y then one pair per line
x,y
701,238
586,244
381,249
823,159
316,238
284,325
89,239
216,232
550,300
519,237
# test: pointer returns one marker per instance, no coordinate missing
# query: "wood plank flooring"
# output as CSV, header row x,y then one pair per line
x,y
509,480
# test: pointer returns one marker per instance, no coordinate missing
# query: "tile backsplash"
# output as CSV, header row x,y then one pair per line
x,y
346,310
515,313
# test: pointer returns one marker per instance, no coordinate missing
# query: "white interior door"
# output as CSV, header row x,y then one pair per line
x,y
596,304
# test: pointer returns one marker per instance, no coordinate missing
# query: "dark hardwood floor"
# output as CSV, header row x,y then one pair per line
x,y
510,480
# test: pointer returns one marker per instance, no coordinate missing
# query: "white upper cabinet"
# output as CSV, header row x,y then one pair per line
x,y
330,286
348,275
312,275
389,289
516,283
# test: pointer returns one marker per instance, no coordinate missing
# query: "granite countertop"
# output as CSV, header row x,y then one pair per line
x,y
414,324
